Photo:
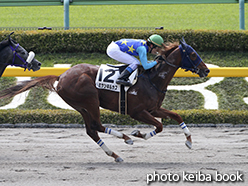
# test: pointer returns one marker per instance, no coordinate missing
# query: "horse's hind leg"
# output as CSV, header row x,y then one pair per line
x,y
163,113
146,117
119,135
83,96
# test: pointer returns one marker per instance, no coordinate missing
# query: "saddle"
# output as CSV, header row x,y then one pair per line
x,y
108,74
106,80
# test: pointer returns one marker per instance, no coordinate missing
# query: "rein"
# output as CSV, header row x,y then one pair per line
x,y
172,65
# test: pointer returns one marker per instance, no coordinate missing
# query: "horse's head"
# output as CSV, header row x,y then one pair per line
x,y
191,60
16,55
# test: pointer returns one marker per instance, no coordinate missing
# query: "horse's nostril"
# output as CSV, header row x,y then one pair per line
x,y
39,64
207,70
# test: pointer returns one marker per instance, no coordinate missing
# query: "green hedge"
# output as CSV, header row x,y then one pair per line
x,y
97,40
14,116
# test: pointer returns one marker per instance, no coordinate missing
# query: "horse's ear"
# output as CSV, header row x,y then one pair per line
x,y
183,42
9,38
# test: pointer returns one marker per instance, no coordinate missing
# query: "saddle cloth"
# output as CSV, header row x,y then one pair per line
x,y
108,74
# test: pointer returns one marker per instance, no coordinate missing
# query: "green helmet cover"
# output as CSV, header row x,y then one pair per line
x,y
156,40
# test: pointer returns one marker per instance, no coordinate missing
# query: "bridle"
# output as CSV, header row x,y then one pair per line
x,y
183,64
26,64
194,67
185,58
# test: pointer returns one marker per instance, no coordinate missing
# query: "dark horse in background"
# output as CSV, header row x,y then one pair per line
x,y
11,53
144,99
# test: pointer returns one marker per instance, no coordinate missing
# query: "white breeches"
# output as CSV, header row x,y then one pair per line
x,y
114,52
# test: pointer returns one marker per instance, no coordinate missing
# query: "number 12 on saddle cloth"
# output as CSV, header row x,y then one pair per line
x,y
106,79
107,76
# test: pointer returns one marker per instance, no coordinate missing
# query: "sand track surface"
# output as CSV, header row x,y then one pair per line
x,y
48,157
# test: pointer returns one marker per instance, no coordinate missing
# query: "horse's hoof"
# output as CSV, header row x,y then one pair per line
x,y
188,144
129,142
119,159
135,133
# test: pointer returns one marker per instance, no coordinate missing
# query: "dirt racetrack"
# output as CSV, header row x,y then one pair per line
x,y
58,157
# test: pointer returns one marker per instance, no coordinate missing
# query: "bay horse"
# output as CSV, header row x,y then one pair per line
x,y
77,88
11,53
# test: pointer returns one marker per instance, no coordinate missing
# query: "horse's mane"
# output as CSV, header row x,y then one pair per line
x,y
6,42
3,44
168,48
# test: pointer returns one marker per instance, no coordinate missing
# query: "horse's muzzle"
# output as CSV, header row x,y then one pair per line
x,y
203,72
35,65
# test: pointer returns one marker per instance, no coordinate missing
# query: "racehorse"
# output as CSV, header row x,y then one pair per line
x,y
77,88
11,53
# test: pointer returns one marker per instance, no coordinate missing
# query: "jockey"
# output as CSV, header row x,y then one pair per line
x,y
124,51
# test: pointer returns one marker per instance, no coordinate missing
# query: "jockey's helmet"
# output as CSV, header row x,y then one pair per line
x,y
156,40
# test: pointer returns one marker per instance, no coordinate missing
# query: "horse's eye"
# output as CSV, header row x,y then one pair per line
x,y
23,53
193,56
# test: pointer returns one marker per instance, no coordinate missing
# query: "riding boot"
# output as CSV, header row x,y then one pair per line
x,y
123,79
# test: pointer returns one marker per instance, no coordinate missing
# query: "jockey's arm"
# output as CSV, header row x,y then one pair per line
x,y
143,58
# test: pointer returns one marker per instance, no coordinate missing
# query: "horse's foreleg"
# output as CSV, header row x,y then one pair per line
x,y
146,117
108,151
163,113
93,134
119,135
187,133
91,129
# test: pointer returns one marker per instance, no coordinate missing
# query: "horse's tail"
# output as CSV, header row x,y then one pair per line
x,y
45,82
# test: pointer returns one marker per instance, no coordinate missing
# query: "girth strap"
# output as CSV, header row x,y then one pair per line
x,y
122,100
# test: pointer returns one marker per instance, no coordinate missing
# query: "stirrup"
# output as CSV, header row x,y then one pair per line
x,y
123,82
